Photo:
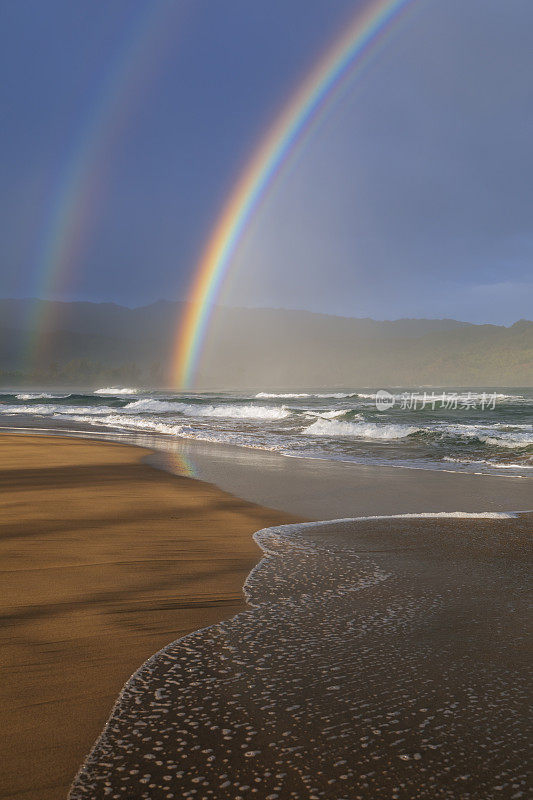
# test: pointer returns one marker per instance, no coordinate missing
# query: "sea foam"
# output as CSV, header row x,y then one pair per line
x,y
350,672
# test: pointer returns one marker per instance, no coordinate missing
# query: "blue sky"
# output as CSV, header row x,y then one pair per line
x,y
413,198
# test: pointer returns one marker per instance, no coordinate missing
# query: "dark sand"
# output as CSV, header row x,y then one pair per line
x,y
104,561
379,659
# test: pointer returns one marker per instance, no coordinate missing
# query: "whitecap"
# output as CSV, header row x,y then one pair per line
x,y
116,390
319,395
330,414
273,395
40,396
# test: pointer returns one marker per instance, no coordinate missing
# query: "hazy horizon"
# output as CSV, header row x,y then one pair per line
x,y
258,347
263,308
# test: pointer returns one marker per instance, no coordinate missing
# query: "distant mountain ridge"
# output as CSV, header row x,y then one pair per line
x,y
260,348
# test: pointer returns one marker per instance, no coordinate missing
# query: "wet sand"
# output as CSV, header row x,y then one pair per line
x,y
104,561
319,489
378,659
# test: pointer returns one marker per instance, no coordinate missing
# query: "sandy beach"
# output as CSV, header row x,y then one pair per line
x,y
371,658
104,561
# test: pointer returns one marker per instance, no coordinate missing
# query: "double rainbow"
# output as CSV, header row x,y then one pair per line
x,y
341,60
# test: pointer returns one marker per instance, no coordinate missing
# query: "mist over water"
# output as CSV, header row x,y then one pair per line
x,y
484,432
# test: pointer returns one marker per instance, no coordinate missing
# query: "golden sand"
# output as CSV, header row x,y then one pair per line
x,y
104,561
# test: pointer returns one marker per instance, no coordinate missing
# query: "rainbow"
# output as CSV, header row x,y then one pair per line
x,y
338,64
73,196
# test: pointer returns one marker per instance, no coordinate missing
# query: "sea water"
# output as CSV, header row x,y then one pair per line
x,y
465,430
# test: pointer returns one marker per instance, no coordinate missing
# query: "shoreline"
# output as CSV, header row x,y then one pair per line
x,y
106,561
318,489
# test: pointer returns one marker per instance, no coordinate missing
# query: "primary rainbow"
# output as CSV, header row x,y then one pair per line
x,y
339,62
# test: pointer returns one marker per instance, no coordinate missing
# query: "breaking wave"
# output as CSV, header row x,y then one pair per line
x,y
40,396
359,430
498,435
330,414
53,409
123,422
230,411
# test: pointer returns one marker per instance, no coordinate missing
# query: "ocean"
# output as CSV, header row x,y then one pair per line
x,y
460,430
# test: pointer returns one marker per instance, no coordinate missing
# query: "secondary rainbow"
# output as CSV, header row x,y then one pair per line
x,y
73,197
339,63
